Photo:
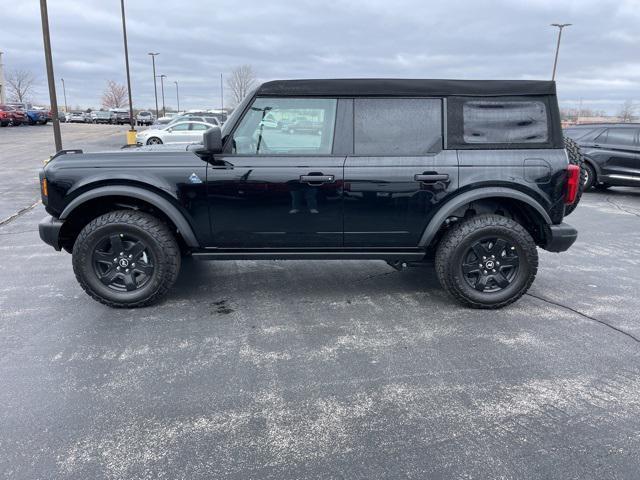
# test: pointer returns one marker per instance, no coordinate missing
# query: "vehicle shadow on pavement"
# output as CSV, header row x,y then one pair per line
x,y
287,278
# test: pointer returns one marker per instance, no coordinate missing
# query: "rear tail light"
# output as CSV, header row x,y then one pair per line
x,y
44,188
573,181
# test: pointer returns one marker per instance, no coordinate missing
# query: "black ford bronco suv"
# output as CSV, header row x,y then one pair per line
x,y
470,175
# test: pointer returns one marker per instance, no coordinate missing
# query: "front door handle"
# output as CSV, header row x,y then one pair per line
x,y
317,178
431,177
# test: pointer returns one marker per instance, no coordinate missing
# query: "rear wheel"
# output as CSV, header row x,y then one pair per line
x,y
126,259
488,261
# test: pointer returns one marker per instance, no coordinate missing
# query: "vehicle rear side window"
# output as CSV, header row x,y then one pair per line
x,y
397,127
496,121
499,122
286,126
619,136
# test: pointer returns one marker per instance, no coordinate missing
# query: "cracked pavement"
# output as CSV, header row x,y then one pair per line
x,y
336,369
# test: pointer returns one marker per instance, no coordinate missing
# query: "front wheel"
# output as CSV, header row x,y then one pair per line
x,y
126,259
154,141
487,261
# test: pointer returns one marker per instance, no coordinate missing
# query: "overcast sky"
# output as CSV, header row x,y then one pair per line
x,y
199,39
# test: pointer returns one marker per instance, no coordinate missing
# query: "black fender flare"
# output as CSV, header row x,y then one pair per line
x,y
492,192
152,198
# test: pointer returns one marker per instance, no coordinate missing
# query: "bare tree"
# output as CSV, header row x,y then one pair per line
x,y
240,82
627,111
20,83
115,95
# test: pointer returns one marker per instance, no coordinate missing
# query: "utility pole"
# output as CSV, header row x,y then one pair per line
x,y
222,115
44,15
155,84
3,85
162,77
555,61
177,95
64,91
131,134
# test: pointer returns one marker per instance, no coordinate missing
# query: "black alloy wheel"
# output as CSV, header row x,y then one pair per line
x,y
123,262
486,261
490,265
126,258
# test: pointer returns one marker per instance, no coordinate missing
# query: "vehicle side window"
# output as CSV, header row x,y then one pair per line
x,y
397,126
199,126
180,127
286,126
621,136
497,121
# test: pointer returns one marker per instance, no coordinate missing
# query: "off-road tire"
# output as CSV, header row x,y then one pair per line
x,y
575,158
156,236
458,240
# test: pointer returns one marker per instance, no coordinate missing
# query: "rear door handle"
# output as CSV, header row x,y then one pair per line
x,y
431,177
317,178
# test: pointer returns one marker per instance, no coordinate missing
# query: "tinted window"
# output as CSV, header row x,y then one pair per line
x,y
621,136
404,126
294,126
496,121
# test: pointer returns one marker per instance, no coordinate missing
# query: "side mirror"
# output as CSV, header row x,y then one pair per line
x,y
212,140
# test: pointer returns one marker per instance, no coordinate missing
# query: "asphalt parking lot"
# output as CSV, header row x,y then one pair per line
x,y
281,370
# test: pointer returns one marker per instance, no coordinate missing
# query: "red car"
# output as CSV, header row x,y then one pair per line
x,y
6,115
10,115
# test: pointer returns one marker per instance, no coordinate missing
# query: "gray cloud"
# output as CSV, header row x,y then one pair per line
x,y
198,39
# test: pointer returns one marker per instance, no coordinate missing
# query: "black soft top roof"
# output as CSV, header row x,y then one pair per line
x,y
392,87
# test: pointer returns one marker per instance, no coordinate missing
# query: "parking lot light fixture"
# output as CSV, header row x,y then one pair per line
x,y
64,92
131,134
155,83
162,77
555,61
177,95
44,15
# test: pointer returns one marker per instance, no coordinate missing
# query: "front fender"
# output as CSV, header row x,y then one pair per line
x,y
162,204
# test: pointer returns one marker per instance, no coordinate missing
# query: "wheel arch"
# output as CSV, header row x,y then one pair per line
x,y
525,208
101,200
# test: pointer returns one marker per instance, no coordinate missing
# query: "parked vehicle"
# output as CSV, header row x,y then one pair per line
x,y
144,118
6,115
11,116
103,116
194,118
611,153
303,126
77,116
122,115
182,132
33,115
384,179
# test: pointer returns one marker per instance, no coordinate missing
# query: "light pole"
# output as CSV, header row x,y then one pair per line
x,y
3,93
162,77
555,61
64,91
155,85
221,100
131,135
44,15
177,95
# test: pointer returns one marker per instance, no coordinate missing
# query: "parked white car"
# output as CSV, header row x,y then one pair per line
x,y
144,117
183,132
